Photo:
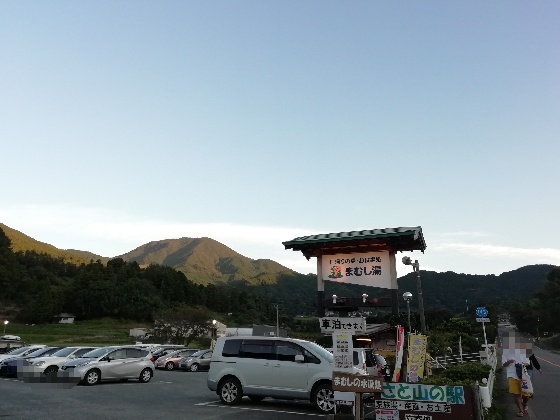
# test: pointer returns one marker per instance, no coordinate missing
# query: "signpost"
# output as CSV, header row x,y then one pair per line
x,y
482,313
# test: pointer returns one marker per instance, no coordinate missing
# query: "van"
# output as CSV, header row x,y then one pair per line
x,y
261,367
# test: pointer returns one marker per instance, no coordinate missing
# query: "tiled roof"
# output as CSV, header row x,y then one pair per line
x,y
400,239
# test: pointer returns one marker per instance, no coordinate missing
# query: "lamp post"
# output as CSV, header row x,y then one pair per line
x,y
407,296
5,323
538,320
416,267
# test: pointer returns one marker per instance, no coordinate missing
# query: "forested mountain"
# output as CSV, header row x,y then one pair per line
x,y
22,242
34,287
216,276
205,261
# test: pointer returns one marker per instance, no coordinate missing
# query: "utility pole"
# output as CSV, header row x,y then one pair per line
x,y
277,325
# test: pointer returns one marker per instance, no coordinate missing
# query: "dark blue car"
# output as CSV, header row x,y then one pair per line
x,y
9,367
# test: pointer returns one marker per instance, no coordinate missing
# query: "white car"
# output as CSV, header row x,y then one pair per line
x,y
54,362
21,351
276,367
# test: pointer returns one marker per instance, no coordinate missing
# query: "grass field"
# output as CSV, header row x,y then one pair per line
x,y
99,332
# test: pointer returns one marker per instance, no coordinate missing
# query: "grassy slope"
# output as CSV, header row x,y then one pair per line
x,y
22,242
99,332
205,260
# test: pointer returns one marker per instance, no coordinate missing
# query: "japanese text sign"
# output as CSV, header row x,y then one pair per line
x,y
416,357
367,269
343,381
329,325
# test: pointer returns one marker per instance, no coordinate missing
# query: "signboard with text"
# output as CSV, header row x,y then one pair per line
x,y
417,401
416,360
330,324
350,382
367,269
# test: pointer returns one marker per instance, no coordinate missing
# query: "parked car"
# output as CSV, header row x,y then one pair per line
x,y
110,363
48,364
21,351
370,363
14,365
197,361
165,350
171,361
261,367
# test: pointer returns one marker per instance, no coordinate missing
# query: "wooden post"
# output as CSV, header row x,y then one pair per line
x,y
320,287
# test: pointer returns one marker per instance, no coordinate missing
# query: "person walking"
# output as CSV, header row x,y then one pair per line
x,y
514,357
533,364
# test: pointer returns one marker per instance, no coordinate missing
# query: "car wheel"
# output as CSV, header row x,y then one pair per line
x,y
230,391
169,366
256,398
194,367
92,377
50,370
145,375
323,398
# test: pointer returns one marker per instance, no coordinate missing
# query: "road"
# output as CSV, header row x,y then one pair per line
x,y
169,395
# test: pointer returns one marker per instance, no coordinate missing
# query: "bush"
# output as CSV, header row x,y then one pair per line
x,y
466,374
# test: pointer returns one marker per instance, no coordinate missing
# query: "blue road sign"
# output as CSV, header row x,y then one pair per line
x,y
481,312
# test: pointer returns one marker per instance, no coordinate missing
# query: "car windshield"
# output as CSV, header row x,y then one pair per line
x,y
38,352
175,353
321,351
198,353
20,350
64,352
97,352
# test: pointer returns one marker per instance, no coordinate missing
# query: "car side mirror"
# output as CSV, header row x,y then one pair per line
x,y
106,359
299,358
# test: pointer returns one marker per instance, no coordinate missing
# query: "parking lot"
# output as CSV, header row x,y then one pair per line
x,y
169,395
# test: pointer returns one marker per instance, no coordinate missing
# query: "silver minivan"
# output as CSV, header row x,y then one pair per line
x,y
110,363
276,367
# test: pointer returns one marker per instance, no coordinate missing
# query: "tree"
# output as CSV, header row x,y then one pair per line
x,y
182,324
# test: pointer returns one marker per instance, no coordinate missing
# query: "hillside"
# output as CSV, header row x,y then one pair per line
x,y
205,261
22,242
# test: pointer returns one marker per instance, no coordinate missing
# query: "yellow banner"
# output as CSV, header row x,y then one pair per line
x,y
416,357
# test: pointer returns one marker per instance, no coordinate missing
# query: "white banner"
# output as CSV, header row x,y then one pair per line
x,y
343,350
367,269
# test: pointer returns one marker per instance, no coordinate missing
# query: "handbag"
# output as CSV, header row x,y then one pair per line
x,y
526,384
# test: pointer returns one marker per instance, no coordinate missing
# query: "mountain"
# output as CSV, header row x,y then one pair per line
x,y
22,242
205,260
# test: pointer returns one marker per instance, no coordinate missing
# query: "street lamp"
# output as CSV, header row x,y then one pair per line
x,y
5,323
407,296
416,267
538,320
364,297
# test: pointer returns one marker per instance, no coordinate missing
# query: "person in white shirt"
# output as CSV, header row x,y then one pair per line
x,y
515,353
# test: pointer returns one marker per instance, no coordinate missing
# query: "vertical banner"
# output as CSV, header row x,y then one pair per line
x,y
399,354
416,357
343,352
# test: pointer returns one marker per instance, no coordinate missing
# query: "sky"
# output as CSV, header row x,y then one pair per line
x,y
255,122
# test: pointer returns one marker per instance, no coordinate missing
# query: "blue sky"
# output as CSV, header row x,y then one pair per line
x,y
253,122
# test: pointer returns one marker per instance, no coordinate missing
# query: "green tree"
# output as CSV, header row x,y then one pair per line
x,y
182,324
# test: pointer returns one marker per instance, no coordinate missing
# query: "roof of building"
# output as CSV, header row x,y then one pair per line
x,y
396,239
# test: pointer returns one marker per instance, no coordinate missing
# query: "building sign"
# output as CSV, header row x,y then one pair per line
x,y
416,357
343,381
367,269
417,417
343,350
329,325
449,394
